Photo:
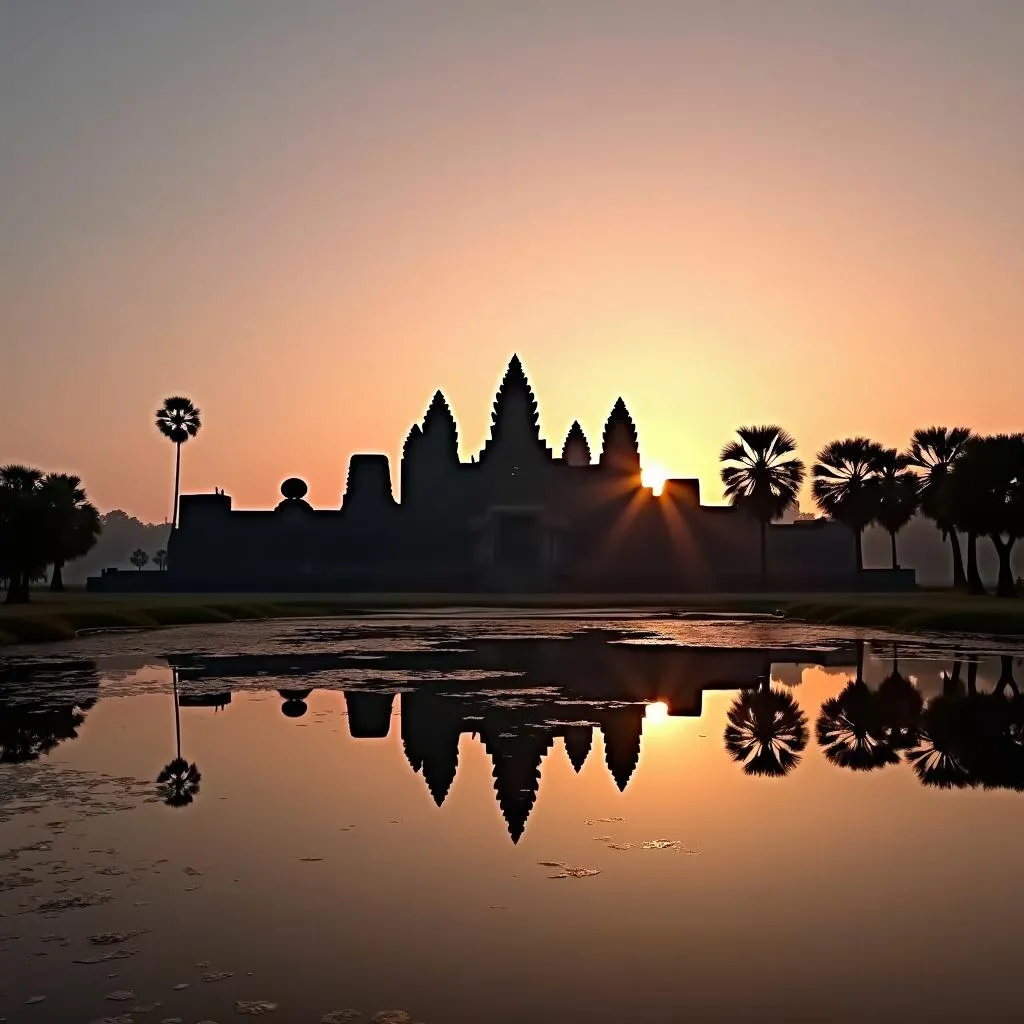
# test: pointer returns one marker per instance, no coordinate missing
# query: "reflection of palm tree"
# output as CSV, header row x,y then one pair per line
x,y
851,731
969,738
900,706
767,731
178,782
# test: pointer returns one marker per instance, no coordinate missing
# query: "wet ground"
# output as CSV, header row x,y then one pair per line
x,y
487,819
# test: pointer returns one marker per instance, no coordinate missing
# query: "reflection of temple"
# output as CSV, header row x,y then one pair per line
x,y
590,681
517,517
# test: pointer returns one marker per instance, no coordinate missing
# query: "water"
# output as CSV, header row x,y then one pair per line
x,y
503,818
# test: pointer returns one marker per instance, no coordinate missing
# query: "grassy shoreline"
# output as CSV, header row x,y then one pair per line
x,y
62,616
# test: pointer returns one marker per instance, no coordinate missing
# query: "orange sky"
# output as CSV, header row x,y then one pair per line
x,y
308,217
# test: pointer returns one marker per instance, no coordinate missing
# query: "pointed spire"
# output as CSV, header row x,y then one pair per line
x,y
440,765
578,741
622,730
576,450
620,446
514,415
412,439
516,773
439,426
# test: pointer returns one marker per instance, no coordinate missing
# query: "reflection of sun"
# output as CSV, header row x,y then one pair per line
x,y
656,712
654,476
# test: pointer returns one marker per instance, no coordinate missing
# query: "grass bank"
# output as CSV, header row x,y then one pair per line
x,y
62,616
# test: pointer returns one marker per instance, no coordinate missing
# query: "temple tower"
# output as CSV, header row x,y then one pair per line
x,y
620,446
576,450
430,456
515,421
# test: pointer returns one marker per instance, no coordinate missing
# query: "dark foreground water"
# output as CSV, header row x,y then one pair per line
x,y
493,819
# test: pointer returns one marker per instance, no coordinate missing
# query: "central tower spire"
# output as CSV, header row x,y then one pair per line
x,y
515,420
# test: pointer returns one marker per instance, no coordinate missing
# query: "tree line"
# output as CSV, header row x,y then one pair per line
x,y
47,520
964,482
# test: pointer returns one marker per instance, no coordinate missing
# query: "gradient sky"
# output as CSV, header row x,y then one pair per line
x,y
308,215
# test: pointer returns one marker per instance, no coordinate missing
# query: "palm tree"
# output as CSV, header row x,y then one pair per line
x,y
935,451
766,731
179,780
74,523
845,485
897,495
762,476
23,530
178,420
138,558
160,558
987,497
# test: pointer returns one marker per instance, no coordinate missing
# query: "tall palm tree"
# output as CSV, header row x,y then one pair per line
x,y
23,530
74,523
845,485
935,451
766,731
987,496
897,497
178,420
179,780
762,476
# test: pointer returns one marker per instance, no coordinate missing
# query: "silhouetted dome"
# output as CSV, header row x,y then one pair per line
x,y
294,708
620,446
576,450
578,741
294,489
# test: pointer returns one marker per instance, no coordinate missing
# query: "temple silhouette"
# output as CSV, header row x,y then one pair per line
x,y
517,517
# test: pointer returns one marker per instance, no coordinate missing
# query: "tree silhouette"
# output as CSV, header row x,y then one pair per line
x,y
178,420
74,523
845,485
766,731
160,558
935,451
179,780
24,545
900,706
851,730
139,558
896,495
762,476
987,492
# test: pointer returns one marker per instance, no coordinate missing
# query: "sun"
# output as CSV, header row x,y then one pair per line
x,y
654,476
656,713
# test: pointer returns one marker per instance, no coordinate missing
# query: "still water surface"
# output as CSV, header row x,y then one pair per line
x,y
488,819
